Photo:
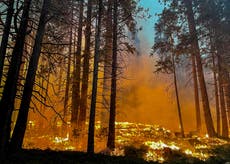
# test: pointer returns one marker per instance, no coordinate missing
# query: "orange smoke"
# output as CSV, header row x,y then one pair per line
x,y
148,97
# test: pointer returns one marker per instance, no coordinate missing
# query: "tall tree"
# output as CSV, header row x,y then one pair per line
x,y
177,94
166,48
213,21
222,98
196,93
216,93
91,130
20,127
107,65
66,98
10,88
195,45
85,75
77,71
113,94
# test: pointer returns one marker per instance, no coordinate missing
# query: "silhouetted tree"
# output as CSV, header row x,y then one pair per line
x,y
20,127
91,130
113,94
77,72
10,88
85,74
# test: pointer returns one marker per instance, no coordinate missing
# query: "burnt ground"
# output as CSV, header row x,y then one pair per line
x,y
222,156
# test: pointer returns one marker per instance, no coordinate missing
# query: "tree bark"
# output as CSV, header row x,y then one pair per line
x,y
196,94
67,86
216,97
112,114
226,81
77,72
203,89
20,127
107,67
224,119
5,36
85,76
177,97
10,89
90,148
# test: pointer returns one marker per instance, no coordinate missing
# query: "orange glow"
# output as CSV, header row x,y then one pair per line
x,y
146,116
157,139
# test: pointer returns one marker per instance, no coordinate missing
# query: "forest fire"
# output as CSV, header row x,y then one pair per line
x,y
115,80
155,142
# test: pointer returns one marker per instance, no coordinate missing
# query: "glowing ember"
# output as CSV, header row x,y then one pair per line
x,y
160,145
157,141
60,140
188,152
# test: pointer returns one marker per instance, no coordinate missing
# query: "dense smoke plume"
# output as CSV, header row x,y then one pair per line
x,y
149,97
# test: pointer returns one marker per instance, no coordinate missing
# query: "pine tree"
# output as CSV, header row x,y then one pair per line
x,y
195,45
20,127
10,88
91,130
85,75
113,94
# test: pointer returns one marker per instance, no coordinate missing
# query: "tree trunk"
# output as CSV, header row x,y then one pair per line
x,y
196,94
77,72
112,114
203,89
227,92
177,97
5,36
107,67
222,100
224,83
216,97
85,76
20,127
10,89
66,98
90,148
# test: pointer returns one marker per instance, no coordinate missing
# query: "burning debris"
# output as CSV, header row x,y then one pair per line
x,y
151,142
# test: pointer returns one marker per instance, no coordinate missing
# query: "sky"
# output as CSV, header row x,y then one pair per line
x,y
146,36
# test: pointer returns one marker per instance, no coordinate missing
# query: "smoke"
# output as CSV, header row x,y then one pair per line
x,y
147,97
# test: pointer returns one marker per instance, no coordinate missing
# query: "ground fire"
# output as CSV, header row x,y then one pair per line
x,y
155,142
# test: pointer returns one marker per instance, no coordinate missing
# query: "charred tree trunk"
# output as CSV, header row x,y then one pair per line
x,y
177,97
10,89
77,72
196,94
85,76
20,127
90,148
66,98
107,67
5,36
113,95
203,89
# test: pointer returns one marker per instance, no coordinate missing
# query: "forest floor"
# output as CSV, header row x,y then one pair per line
x,y
221,155
135,143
